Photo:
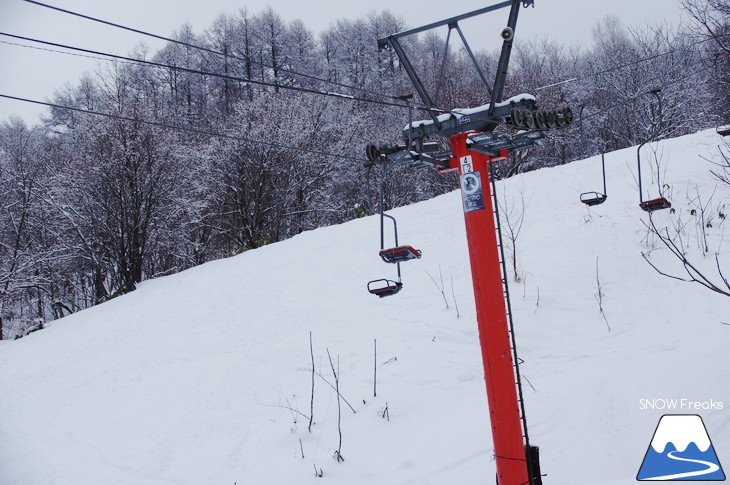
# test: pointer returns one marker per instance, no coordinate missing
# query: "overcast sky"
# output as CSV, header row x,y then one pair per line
x,y
35,74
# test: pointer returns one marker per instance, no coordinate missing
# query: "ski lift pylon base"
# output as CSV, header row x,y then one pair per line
x,y
399,254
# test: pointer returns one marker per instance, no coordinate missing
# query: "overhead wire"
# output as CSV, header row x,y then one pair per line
x,y
316,78
182,128
203,73
44,49
107,56
204,132
630,99
622,66
98,55
211,51
639,95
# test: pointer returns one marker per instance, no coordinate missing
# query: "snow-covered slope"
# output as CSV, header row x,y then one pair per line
x,y
197,378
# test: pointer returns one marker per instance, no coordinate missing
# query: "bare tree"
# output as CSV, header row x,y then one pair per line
x,y
22,250
692,272
722,172
712,21
119,201
512,213
441,286
707,219
713,17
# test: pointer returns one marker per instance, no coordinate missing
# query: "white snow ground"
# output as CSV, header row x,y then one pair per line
x,y
187,379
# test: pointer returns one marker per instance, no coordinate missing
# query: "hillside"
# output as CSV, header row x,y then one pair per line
x,y
193,378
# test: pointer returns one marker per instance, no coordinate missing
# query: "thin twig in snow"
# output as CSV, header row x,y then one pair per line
x,y
338,451
453,295
440,288
311,403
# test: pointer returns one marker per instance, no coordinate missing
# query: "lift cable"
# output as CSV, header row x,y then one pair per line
x,y
622,66
212,51
182,128
640,95
66,53
107,56
205,73
631,98
315,78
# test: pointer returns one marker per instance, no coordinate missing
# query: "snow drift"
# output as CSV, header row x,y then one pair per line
x,y
205,376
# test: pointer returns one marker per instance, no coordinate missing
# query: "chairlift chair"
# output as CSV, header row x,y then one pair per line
x,y
596,198
655,204
651,205
398,254
592,198
384,287
660,202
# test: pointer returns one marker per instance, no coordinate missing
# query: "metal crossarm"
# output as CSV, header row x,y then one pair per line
x,y
417,83
392,41
452,20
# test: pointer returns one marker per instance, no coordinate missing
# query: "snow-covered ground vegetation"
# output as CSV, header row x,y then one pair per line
x,y
205,376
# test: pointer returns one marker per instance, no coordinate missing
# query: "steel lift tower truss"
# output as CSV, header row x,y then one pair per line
x,y
474,145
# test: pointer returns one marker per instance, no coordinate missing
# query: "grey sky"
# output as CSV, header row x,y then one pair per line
x,y
37,74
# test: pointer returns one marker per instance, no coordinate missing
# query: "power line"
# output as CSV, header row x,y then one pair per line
x,y
204,73
182,128
211,51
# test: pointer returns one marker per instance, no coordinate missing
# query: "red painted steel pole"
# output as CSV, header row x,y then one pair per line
x,y
504,413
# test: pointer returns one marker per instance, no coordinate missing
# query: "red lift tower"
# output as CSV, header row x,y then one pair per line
x,y
474,145
508,435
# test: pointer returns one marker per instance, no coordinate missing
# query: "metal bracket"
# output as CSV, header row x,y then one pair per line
x,y
392,41
492,144
475,119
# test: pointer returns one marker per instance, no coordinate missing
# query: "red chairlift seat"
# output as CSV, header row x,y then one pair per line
x,y
593,198
399,254
384,287
655,204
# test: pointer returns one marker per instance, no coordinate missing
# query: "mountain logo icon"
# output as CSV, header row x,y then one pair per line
x,y
680,450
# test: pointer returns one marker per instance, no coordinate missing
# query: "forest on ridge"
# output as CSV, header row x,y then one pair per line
x,y
91,206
